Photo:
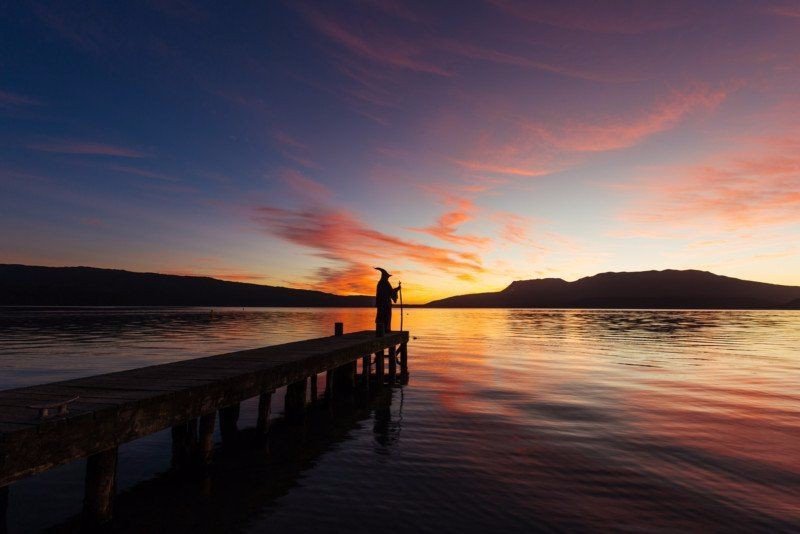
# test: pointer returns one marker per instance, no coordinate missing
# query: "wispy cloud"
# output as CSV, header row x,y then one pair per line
x,y
88,148
143,172
624,17
377,47
293,149
733,193
9,99
305,188
613,133
461,210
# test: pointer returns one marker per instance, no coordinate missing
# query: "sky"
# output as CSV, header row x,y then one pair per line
x,y
460,145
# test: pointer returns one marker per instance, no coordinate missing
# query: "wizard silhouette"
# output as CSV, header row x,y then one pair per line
x,y
385,294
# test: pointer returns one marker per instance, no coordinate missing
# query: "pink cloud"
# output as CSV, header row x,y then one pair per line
x,y
472,51
737,192
627,17
90,148
494,168
304,187
293,149
379,48
447,224
531,147
612,133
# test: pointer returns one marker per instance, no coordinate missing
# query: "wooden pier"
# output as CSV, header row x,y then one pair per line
x,y
45,426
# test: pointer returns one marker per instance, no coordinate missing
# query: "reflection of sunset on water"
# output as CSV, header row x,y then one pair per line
x,y
520,419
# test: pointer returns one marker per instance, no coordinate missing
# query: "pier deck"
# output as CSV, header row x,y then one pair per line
x,y
112,409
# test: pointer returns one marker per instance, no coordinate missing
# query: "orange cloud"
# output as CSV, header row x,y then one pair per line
x,y
493,168
339,236
447,224
67,146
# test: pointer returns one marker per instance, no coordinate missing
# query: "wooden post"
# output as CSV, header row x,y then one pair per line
x,y
338,329
313,379
228,423
366,369
206,438
329,384
404,361
380,329
344,378
179,442
295,401
392,364
379,367
264,408
4,492
101,486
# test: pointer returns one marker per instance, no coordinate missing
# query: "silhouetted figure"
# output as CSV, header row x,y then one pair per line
x,y
385,294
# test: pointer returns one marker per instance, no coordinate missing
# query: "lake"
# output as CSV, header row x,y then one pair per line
x,y
523,420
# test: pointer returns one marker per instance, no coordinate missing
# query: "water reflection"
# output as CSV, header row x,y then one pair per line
x,y
515,419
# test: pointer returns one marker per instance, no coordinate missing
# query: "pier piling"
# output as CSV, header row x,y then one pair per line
x,y
392,365
205,449
264,409
101,487
4,496
229,423
295,401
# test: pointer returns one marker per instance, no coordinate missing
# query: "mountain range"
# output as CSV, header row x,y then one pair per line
x,y
644,289
23,285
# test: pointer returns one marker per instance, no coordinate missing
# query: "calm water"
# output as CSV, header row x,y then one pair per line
x,y
513,420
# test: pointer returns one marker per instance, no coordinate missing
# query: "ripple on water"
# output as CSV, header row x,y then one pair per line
x,y
513,420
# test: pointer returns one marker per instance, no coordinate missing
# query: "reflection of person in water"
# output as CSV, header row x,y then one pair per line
x,y
385,294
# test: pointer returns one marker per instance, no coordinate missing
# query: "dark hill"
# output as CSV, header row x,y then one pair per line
x,y
23,285
646,289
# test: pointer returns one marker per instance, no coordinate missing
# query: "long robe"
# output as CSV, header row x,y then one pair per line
x,y
385,294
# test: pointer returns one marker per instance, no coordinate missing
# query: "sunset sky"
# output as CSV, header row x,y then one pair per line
x,y
461,145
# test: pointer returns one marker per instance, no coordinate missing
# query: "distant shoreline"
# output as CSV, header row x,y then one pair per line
x,y
24,285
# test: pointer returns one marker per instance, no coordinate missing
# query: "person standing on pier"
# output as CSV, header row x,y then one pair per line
x,y
385,294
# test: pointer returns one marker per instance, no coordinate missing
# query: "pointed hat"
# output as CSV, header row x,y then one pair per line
x,y
383,272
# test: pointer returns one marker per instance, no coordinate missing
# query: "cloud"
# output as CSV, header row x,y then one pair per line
x,y
304,187
472,51
447,224
75,25
785,10
376,46
626,17
494,168
90,148
354,248
142,172
737,192
9,99
613,133
530,147
293,149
